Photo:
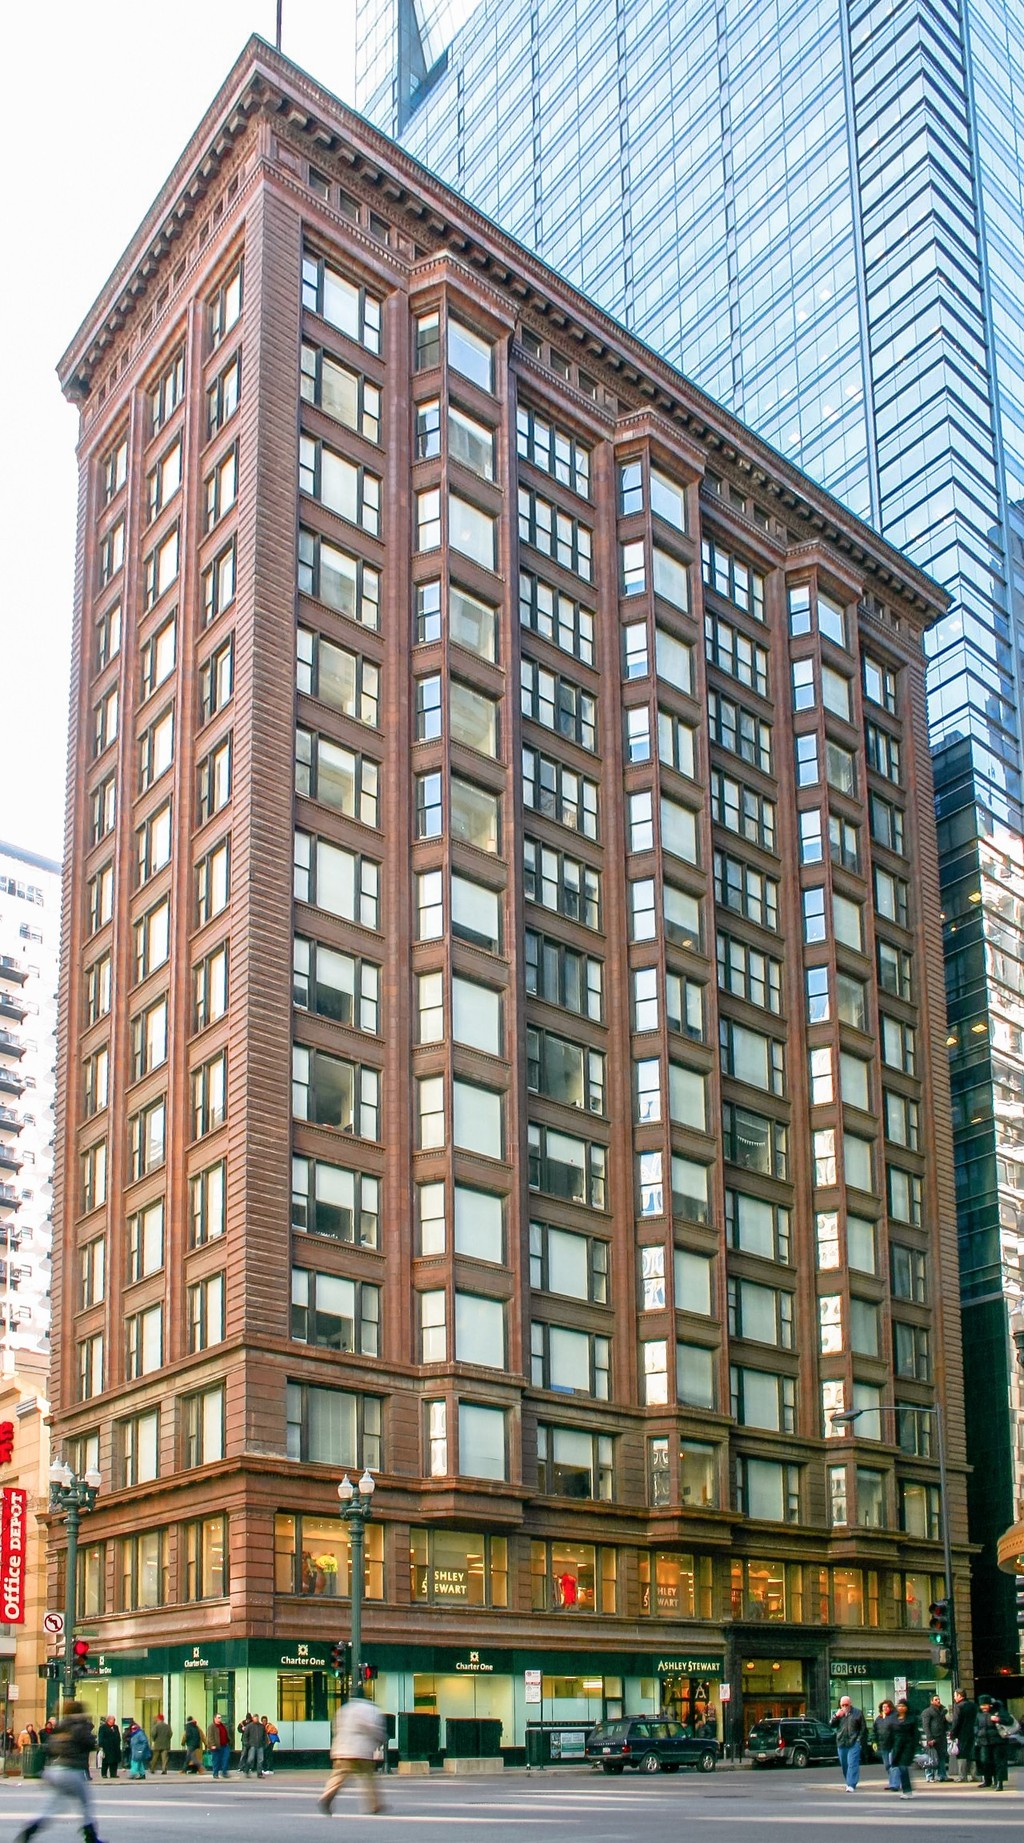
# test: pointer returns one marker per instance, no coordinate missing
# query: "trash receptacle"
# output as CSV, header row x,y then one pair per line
x,y
33,1759
538,1747
419,1736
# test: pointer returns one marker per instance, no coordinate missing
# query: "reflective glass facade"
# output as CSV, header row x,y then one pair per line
x,y
815,209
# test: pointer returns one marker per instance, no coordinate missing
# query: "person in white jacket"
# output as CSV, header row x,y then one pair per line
x,y
359,1730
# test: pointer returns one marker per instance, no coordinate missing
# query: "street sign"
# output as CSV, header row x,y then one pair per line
x,y
725,1692
899,1685
53,1624
13,1692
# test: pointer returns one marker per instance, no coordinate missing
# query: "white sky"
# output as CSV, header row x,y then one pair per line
x,y
101,101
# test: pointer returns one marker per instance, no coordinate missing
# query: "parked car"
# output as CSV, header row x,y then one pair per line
x,y
791,1741
651,1745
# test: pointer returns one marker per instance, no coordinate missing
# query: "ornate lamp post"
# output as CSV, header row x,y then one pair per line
x,y
845,1417
74,1496
356,1508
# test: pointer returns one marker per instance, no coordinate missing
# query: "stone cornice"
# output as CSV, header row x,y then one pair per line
x,y
264,83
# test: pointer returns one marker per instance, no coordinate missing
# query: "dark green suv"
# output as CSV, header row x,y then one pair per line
x,y
795,1740
651,1744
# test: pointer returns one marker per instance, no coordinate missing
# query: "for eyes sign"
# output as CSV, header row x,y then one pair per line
x,y
13,1533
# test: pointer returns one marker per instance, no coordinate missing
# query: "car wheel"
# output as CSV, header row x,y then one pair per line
x,y
609,1766
799,1757
707,1763
650,1763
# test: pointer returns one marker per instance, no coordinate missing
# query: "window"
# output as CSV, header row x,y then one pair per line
x,y
141,1570
884,753
761,1314
156,748
892,897
144,1341
757,1226
475,815
469,354
632,568
742,810
205,1312
902,1119
334,1313
570,1073
887,824
851,1001
909,1273
481,1441
563,976
210,988
114,469
556,617
340,392
740,731
556,533
223,395
344,583
428,708
92,1273
561,883
146,1139
111,553
843,843
336,985
428,341
573,1463
895,970
107,637
206,1204
477,1119
731,651
865,1331
168,390
728,575
754,1142
449,1568
433,1327
216,680
430,1111
855,1081
558,704
340,302
840,769
911,1351
220,489
100,898
920,1511
429,905
838,1514
336,776
479,1230
555,450
213,778
329,1200
471,531
345,488
749,1056
95,1082
472,718
152,940
479,1330
808,771
338,881
331,1092
748,892
224,307
149,1039
762,1398
102,808
767,1491
206,1559
564,1262
563,1166
209,1095
160,569
747,973
695,1376
202,1427
153,844
333,1427
104,721
428,519
89,1366
879,683
137,1448
470,442
218,584
212,883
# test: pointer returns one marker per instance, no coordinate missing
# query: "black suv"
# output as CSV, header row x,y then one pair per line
x,y
793,1741
651,1745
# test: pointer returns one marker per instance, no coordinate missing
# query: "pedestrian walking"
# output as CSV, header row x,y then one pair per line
x,y
884,1724
992,1744
904,1746
851,1730
160,1735
108,1743
192,1741
70,1743
935,1736
253,1743
359,1730
961,1734
139,1752
218,1741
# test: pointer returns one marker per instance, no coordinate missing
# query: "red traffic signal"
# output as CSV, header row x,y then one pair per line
x,y
369,1673
81,1648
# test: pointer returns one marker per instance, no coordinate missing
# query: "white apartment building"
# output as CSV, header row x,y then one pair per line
x,y
30,896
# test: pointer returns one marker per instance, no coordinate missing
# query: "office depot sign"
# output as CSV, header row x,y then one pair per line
x,y
13,1537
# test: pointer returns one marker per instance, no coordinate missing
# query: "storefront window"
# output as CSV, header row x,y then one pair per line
x,y
775,1590
571,1577
689,1700
311,1557
675,1586
452,1569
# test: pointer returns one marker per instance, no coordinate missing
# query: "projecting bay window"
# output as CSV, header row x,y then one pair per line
x,y
698,1473
556,617
337,777
335,1313
331,1092
571,1362
343,304
573,1265
350,491
141,1571
554,450
675,1586
336,985
561,883
555,533
570,1168
312,1557
339,881
339,391
767,1490
333,1201
343,582
572,1577
574,1463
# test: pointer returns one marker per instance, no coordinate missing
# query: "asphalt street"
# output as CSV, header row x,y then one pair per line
x,y
725,1808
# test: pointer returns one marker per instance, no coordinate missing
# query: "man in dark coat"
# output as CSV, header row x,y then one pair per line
x,y
991,1745
904,1746
934,1734
108,1742
961,1730
851,1730
69,1746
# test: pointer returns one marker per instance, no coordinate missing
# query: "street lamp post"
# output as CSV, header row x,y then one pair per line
x,y
845,1417
356,1508
74,1496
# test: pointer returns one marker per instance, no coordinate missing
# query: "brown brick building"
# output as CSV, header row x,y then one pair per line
x,y
504,1021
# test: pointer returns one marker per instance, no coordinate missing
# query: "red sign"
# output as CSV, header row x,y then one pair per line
x,y
6,1442
13,1540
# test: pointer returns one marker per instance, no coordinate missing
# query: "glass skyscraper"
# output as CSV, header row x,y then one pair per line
x,y
816,210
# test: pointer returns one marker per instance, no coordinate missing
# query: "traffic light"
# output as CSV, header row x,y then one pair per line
x,y
940,1623
341,1658
1019,1584
369,1673
82,1666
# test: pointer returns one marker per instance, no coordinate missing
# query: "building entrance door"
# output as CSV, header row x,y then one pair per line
x,y
772,1687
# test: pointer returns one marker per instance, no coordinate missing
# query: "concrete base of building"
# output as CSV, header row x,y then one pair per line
x,y
470,1766
414,1769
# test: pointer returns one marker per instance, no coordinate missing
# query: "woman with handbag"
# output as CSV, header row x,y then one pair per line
x,y
991,1745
